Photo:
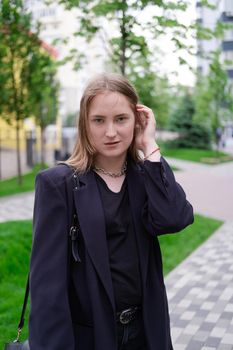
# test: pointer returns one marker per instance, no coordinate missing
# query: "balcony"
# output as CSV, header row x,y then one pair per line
x,y
227,45
199,20
227,16
230,73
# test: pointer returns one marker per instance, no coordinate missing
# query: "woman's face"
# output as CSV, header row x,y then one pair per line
x,y
111,124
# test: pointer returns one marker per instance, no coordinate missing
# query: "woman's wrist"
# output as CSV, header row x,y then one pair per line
x,y
151,152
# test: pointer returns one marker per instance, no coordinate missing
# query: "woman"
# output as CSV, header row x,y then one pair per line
x,y
110,293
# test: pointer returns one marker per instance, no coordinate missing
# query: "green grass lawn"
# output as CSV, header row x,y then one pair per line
x,y
10,186
176,247
196,155
15,243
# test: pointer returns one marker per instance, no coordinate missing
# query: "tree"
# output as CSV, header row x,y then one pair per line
x,y
213,96
130,45
192,134
71,120
181,118
133,49
16,46
27,73
43,100
219,88
155,92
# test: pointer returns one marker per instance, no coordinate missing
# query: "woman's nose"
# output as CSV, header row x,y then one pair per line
x,y
110,130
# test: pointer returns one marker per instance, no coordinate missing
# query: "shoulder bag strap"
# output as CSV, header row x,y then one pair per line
x,y
22,318
75,229
73,235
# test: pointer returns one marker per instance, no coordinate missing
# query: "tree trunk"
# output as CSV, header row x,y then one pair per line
x,y
123,40
17,113
42,135
19,170
42,147
0,156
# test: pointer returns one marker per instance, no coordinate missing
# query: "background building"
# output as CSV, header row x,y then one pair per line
x,y
57,28
208,17
226,15
222,11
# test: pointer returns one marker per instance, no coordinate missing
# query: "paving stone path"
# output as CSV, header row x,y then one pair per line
x,y
17,207
208,187
200,293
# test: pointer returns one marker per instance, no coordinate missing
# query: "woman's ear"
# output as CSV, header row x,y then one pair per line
x,y
139,120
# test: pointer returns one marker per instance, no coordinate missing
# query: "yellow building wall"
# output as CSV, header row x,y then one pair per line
x,y
8,135
27,127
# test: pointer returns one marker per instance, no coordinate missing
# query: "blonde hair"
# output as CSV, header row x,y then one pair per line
x,y
82,157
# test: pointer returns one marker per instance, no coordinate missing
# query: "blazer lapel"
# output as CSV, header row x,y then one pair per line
x,y
92,223
137,198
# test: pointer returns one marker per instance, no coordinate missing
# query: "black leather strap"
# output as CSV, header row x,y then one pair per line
x,y
22,318
73,235
75,229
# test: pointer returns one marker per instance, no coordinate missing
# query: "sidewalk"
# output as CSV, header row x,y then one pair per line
x,y
208,187
8,162
17,207
200,293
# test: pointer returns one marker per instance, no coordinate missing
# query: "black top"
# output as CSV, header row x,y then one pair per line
x,y
122,248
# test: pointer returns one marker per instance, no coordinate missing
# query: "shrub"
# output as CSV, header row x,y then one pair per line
x,y
197,136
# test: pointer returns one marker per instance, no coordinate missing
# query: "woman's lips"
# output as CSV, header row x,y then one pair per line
x,y
111,143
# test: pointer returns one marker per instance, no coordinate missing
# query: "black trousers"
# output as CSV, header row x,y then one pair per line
x,y
131,336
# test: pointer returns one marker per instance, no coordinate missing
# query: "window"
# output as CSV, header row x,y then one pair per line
x,y
228,7
200,69
228,55
227,45
230,73
44,12
228,35
228,59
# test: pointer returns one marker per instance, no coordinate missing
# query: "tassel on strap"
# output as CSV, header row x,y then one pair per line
x,y
74,243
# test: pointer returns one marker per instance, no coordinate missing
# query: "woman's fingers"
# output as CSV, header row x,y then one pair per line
x,y
145,133
145,111
146,115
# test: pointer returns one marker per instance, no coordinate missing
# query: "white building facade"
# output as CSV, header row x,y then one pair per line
x,y
222,11
57,28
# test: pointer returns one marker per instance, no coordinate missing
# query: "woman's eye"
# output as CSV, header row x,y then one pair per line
x,y
98,120
121,119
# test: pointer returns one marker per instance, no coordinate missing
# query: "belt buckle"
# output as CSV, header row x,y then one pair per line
x,y
126,316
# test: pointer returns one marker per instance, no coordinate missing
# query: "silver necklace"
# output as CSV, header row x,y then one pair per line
x,y
112,174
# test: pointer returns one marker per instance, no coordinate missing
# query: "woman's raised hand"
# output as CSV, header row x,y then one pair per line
x,y
145,133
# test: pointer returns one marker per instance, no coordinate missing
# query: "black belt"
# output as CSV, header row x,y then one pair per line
x,y
128,315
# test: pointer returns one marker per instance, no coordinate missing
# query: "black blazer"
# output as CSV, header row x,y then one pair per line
x,y
72,307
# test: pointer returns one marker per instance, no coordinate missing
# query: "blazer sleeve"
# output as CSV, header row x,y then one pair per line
x,y
50,324
166,209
